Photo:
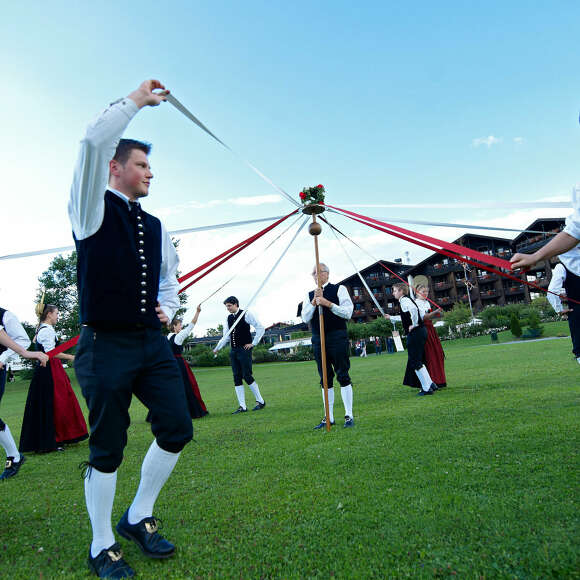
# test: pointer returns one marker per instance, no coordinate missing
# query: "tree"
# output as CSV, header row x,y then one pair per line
x,y
515,325
219,331
59,282
381,327
460,314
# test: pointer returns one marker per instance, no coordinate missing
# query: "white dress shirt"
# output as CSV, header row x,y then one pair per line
x,y
343,309
16,332
423,305
252,320
86,208
557,286
46,336
573,221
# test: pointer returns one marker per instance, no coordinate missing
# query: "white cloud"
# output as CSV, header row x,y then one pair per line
x,y
519,140
488,141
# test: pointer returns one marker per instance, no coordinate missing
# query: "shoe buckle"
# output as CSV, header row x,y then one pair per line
x,y
151,527
115,556
9,462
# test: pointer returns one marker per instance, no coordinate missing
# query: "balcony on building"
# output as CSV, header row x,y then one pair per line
x,y
487,294
514,289
487,277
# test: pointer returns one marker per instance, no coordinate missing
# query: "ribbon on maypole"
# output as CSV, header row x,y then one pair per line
x,y
454,251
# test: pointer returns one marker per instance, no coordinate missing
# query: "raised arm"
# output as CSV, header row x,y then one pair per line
x,y
91,174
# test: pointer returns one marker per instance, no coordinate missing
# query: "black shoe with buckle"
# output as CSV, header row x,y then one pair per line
x,y
240,409
109,563
12,467
259,406
145,535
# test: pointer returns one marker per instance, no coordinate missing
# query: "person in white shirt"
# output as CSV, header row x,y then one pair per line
x,y
241,342
337,308
52,415
562,243
127,286
416,338
565,282
13,343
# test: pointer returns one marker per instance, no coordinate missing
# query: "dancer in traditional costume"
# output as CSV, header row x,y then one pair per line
x,y
241,351
13,342
337,306
127,284
434,355
52,416
416,337
176,338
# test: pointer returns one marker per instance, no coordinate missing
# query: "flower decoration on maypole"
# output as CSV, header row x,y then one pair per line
x,y
314,194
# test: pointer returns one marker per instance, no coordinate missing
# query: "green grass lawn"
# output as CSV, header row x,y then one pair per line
x,y
478,481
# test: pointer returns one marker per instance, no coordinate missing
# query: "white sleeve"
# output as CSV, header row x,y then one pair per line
x,y
168,284
345,306
224,339
252,320
16,332
573,221
307,310
557,286
86,207
183,334
47,338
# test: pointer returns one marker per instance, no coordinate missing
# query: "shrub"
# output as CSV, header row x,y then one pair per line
x,y
515,326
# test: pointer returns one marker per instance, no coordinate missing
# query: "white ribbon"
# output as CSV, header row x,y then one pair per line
x,y
253,298
356,269
183,109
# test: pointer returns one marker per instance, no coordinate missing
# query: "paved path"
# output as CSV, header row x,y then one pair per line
x,y
526,340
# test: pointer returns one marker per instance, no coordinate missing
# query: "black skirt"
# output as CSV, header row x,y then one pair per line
x,y
416,340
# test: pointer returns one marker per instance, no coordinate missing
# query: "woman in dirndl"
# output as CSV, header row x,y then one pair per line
x,y
52,416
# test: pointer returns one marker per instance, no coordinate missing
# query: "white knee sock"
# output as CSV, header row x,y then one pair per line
x,y
157,467
424,377
256,390
99,496
330,404
346,393
241,395
7,441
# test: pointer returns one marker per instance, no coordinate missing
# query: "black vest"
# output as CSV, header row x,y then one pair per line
x,y
406,319
118,268
175,348
2,313
241,334
572,287
332,322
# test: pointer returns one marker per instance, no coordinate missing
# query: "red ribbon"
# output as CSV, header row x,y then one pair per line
x,y
459,257
232,252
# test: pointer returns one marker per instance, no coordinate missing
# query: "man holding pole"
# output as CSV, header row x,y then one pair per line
x,y
337,309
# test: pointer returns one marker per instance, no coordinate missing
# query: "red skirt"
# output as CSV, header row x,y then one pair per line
x,y
195,402
69,423
434,356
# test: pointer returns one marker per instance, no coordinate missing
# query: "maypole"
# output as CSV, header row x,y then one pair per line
x,y
316,194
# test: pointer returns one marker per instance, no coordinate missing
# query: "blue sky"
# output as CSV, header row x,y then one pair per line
x,y
381,102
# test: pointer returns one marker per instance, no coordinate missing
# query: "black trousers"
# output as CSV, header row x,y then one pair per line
x,y
241,360
337,357
2,385
111,366
416,340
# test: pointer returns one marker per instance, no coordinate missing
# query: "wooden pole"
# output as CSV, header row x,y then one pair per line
x,y
322,335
